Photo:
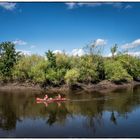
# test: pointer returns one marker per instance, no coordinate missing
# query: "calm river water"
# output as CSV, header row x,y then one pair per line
x,y
115,114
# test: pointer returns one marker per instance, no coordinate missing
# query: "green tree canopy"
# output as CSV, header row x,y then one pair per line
x,y
8,57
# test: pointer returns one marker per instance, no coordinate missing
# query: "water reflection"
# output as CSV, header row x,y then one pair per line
x,y
100,115
113,118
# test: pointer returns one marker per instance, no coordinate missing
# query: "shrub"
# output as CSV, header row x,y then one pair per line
x,y
72,76
87,69
22,69
114,71
38,71
131,64
63,61
54,77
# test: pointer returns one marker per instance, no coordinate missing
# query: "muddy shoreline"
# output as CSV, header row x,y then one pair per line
x,y
103,87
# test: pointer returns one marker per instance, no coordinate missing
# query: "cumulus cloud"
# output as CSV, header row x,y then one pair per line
x,y
57,51
19,42
74,52
110,54
24,52
134,53
100,42
77,52
129,53
133,44
72,5
8,5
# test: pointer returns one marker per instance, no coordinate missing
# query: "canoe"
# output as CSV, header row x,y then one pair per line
x,y
62,99
52,100
39,99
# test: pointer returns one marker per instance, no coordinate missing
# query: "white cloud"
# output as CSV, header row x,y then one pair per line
x,y
74,52
133,44
19,42
24,52
77,52
100,42
57,51
89,4
134,53
110,54
7,5
129,53
72,5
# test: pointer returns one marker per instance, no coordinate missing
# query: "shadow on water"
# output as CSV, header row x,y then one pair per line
x,y
114,114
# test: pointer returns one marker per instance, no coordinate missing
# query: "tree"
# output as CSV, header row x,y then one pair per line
x,y
114,50
8,57
51,58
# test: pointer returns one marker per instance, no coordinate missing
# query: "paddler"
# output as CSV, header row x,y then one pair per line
x,y
59,96
46,97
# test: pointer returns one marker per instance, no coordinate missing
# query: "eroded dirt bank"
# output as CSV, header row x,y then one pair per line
x,y
103,87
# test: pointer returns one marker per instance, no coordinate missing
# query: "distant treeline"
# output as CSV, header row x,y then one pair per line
x,y
60,68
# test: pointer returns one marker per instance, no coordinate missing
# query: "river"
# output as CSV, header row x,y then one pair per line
x,y
114,114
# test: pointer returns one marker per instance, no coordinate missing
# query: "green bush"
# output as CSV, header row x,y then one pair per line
x,y
72,76
38,71
54,76
87,68
22,69
63,61
131,64
114,71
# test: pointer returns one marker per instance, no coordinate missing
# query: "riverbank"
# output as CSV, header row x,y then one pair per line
x,y
103,87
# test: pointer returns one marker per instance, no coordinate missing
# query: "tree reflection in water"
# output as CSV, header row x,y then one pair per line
x,y
113,118
7,116
16,107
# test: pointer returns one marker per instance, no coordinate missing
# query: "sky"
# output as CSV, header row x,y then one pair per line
x,y
38,27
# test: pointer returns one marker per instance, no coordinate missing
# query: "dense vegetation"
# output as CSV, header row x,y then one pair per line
x,y
58,69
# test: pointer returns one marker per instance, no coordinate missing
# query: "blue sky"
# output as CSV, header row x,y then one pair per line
x,y
37,27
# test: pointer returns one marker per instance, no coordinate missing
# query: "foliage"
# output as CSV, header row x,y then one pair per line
x,y
51,59
114,71
63,61
99,63
87,69
22,70
131,64
8,57
62,68
93,49
72,76
114,50
54,76
38,71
